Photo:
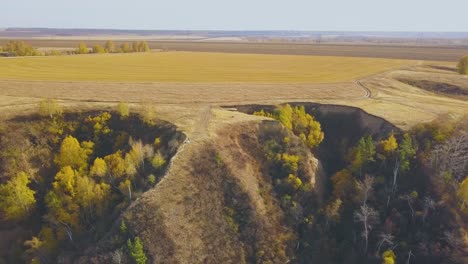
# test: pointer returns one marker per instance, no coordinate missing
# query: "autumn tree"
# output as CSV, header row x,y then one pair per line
x,y
388,257
284,115
306,127
149,113
344,185
136,251
98,49
99,167
143,46
20,48
462,194
125,48
294,181
463,65
115,165
135,46
82,48
16,198
139,152
73,154
75,200
123,110
63,211
92,198
50,108
158,161
389,145
99,123
109,46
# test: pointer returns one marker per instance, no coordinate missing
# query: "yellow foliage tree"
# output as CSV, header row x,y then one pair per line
x,y
49,107
389,145
16,198
149,114
72,154
463,65
20,48
294,181
158,161
125,48
143,46
109,46
99,167
98,49
116,165
388,257
285,114
60,200
82,48
462,194
123,110
290,162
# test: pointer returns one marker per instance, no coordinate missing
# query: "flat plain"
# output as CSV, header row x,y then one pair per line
x,y
182,85
412,52
194,67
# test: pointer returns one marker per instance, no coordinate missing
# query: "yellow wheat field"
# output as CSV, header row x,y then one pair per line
x,y
194,67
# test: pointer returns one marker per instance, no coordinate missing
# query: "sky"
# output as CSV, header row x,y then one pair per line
x,y
323,15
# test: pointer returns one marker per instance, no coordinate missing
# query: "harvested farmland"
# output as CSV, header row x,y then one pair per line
x,y
184,67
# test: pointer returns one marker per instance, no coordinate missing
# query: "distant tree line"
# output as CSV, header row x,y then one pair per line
x,y
16,48
110,47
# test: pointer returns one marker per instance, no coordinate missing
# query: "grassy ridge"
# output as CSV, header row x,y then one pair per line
x,y
194,67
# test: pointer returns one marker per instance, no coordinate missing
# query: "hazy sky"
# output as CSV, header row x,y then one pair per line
x,y
357,15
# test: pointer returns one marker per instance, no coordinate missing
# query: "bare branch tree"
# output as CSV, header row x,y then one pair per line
x,y
428,204
396,168
366,186
409,198
410,254
452,156
117,256
368,217
384,239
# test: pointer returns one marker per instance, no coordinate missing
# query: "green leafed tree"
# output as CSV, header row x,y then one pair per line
x,y
136,251
406,152
364,153
158,161
16,198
